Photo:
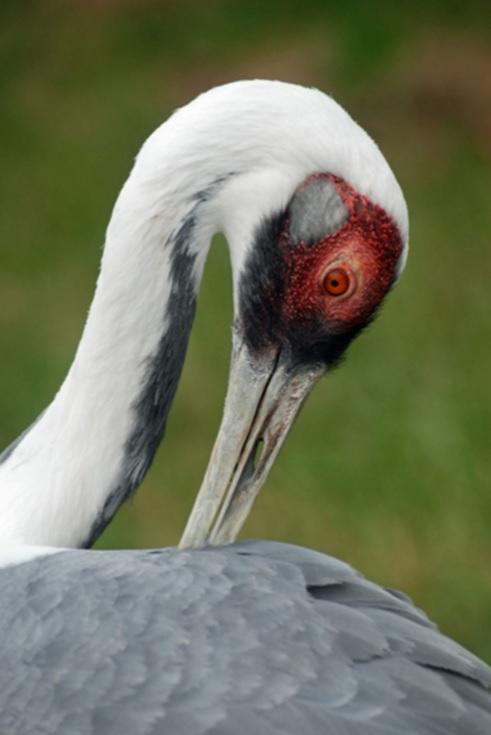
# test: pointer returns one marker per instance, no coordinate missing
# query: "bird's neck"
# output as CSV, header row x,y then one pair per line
x,y
227,161
64,478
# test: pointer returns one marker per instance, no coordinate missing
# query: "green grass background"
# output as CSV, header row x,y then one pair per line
x,y
389,465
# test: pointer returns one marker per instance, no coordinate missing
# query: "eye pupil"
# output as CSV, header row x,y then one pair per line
x,y
337,282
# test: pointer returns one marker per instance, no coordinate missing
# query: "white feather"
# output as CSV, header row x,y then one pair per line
x,y
270,136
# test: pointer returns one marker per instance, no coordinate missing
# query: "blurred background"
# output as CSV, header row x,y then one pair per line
x,y
389,465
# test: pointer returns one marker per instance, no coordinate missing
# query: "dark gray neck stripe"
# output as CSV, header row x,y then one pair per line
x,y
163,369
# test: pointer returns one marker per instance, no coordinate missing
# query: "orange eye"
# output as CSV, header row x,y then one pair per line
x,y
336,282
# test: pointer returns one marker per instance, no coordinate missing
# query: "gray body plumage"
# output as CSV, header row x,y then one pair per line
x,y
257,637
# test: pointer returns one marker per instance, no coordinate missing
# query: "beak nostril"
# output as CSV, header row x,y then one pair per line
x,y
252,462
258,451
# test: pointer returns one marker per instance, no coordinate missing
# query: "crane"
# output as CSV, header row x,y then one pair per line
x,y
217,637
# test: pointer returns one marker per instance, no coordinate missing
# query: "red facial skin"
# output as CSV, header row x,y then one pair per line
x,y
367,248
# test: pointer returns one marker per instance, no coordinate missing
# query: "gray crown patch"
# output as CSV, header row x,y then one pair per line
x,y
316,210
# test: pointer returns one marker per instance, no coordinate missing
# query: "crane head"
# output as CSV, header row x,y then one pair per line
x,y
317,272
314,277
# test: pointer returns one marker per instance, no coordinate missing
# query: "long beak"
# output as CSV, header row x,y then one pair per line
x,y
263,398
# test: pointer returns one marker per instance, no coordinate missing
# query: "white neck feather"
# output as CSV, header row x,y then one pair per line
x,y
232,156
